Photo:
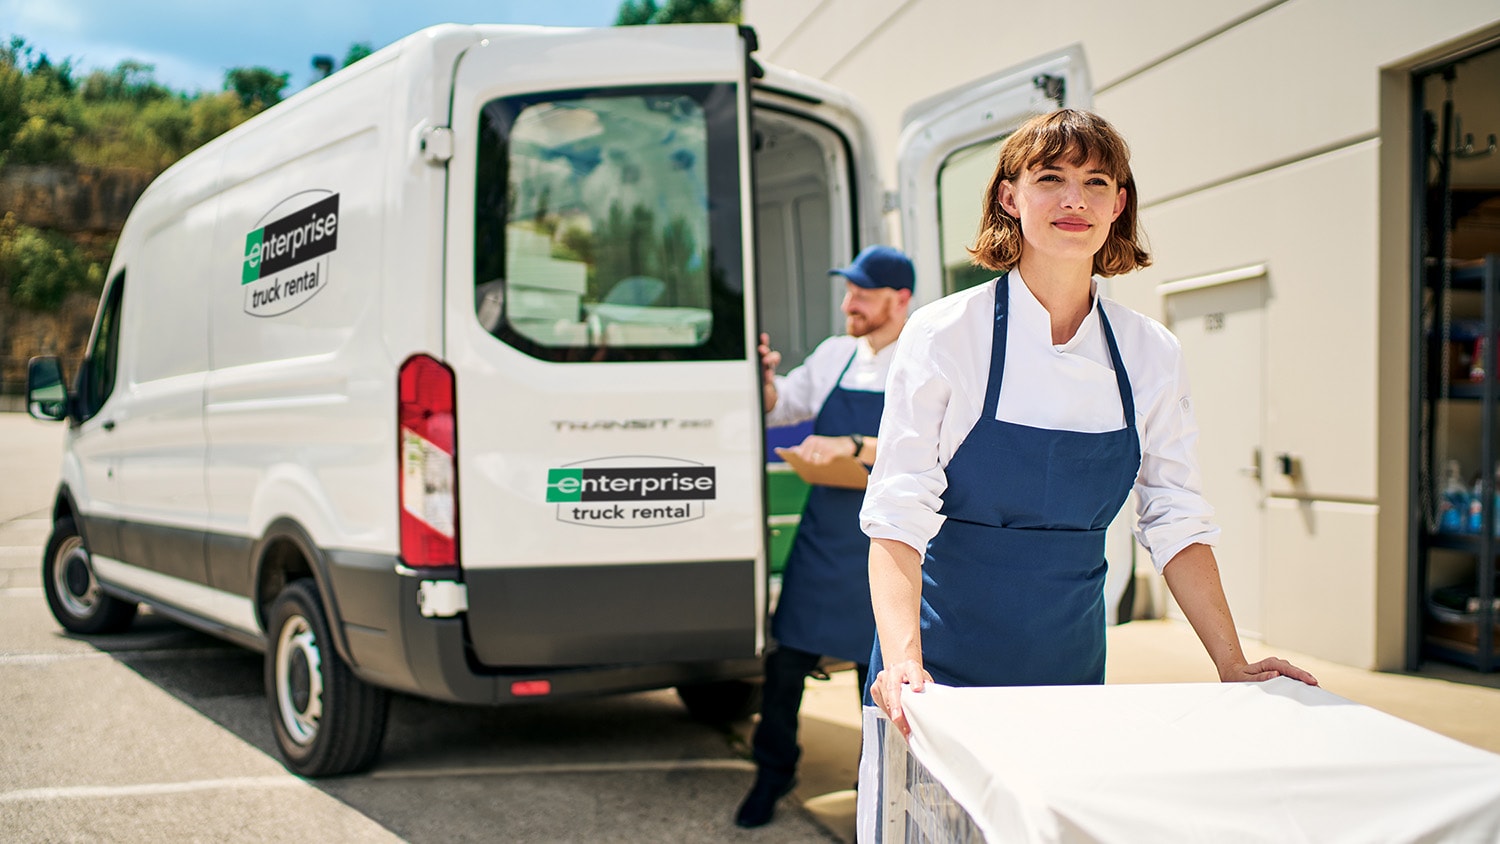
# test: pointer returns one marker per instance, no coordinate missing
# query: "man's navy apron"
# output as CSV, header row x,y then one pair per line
x,y
824,606
1013,583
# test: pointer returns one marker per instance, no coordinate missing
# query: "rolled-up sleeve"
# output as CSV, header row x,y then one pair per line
x,y
1170,508
908,479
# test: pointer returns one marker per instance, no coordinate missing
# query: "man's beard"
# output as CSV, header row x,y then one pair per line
x,y
857,326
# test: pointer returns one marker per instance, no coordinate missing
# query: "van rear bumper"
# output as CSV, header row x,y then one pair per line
x,y
391,644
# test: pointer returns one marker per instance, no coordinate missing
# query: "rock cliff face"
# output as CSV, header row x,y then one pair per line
x,y
88,205
72,200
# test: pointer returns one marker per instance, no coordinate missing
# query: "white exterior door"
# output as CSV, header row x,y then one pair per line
x,y
1222,330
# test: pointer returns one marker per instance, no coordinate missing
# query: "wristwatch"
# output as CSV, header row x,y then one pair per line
x,y
859,443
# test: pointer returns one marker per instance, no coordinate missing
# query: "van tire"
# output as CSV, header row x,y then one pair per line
x,y
73,592
722,702
327,721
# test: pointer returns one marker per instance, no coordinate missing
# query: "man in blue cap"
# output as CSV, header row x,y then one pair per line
x,y
824,608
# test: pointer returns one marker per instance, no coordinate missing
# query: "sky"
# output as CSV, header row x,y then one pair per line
x,y
193,42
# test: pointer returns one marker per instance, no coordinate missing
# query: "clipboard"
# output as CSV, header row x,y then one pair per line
x,y
843,472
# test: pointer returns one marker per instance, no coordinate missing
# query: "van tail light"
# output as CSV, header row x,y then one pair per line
x,y
428,459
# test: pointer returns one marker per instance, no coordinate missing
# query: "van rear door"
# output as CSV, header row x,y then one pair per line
x,y
599,321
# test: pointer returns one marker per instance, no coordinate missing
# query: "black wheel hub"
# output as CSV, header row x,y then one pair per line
x,y
76,575
298,680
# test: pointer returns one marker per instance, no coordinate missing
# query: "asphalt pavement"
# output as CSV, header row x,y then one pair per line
x,y
162,734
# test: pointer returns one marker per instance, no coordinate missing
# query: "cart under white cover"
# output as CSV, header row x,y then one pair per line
x,y
1266,762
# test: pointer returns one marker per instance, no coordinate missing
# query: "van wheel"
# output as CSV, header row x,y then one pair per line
x,y
327,721
722,702
73,593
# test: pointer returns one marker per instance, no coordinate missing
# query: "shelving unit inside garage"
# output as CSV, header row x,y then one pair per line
x,y
1458,564
1453,608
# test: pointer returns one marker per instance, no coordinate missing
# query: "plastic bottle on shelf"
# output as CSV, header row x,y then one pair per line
x,y
1474,521
1495,494
1454,505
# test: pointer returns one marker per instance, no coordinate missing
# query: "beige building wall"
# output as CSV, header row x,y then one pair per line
x,y
1264,135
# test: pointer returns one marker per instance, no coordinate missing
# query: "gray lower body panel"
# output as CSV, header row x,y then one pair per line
x,y
584,630
591,615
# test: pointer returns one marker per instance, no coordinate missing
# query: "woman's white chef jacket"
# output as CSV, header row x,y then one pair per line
x,y
941,368
800,393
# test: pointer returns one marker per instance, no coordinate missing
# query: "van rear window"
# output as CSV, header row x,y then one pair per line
x,y
607,224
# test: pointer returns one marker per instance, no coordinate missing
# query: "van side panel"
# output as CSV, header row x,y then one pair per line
x,y
160,430
299,403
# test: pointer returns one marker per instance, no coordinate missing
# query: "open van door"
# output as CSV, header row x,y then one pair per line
x,y
947,153
600,328
946,156
818,201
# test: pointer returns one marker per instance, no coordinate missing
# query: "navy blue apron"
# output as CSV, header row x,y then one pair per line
x,y
1013,583
824,606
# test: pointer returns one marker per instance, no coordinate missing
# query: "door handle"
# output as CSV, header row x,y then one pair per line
x,y
1252,471
1291,466
108,424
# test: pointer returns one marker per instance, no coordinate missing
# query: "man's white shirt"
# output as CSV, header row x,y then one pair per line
x,y
800,394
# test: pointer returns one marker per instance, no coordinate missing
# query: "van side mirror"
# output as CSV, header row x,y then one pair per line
x,y
46,394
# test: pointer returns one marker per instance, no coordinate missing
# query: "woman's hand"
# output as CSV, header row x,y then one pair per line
x,y
886,690
1266,669
1193,577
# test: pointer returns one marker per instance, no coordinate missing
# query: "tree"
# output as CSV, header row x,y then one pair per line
x,y
357,51
12,95
257,87
38,269
639,12
130,81
39,114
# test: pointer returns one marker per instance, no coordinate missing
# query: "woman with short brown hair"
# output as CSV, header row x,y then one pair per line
x,y
1019,416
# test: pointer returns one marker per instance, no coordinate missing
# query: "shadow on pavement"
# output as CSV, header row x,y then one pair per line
x,y
621,768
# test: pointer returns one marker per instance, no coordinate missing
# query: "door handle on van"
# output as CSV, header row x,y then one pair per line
x,y
108,424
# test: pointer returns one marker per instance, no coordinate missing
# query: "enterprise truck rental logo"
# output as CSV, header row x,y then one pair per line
x,y
609,492
286,260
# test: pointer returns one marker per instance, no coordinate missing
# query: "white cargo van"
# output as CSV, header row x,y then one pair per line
x,y
440,376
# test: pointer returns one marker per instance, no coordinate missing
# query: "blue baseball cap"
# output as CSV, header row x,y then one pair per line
x,y
880,266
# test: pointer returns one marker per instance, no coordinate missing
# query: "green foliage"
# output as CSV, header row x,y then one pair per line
x,y
257,87
12,99
130,81
640,12
38,115
636,13
357,51
46,134
116,118
39,269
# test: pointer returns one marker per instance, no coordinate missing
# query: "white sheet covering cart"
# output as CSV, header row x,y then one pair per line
x,y
1265,762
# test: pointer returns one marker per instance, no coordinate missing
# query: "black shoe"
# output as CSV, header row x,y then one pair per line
x,y
760,803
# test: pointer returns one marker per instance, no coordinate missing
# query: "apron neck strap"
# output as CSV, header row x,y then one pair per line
x,y
848,363
997,347
1127,396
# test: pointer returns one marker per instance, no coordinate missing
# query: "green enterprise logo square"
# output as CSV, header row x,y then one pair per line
x,y
564,485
